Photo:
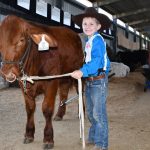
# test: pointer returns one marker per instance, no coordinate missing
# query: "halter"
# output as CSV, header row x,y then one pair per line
x,y
22,60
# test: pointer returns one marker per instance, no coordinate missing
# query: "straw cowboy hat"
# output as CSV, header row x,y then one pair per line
x,y
92,12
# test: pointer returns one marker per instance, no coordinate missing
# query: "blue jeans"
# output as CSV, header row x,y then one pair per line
x,y
96,94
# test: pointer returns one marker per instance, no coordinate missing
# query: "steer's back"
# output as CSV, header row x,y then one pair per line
x,y
69,47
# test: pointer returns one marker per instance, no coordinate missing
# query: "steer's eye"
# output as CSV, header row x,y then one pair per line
x,y
21,41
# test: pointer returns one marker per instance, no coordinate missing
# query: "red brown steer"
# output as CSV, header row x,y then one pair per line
x,y
20,56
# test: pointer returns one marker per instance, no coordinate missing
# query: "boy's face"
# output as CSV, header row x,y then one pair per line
x,y
90,26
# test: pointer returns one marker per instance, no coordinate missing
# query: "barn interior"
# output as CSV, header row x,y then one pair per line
x,y
130,29
128,48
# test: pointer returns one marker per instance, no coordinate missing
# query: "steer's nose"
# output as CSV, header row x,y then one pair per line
x,y
11,77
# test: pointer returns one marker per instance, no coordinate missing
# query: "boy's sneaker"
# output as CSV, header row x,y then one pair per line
x,y
98,148
88,143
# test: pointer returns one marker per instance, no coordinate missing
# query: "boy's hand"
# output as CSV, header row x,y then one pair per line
x,y
77,74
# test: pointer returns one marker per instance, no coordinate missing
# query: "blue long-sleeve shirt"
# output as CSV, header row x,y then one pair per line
x,y
99,58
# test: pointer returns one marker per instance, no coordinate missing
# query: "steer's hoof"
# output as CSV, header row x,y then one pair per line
x,y
47,146
27,140
57,118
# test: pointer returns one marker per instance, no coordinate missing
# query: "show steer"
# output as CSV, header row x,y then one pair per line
x,y
19,41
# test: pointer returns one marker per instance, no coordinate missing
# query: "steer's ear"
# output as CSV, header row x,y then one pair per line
x,y
36,34
50,39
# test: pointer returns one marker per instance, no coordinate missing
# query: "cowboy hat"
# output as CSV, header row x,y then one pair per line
x,y
91,12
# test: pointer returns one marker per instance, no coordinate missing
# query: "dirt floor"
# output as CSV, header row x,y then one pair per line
x,y
128,110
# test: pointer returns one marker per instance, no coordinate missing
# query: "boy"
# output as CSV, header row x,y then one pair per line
x,y
95,70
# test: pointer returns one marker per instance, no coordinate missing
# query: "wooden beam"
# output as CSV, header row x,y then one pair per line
x,y
104,2
135,12
144,27
143,32
138,22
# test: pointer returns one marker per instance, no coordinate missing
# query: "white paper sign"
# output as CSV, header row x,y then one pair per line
x,y
41,8
67,19
55,12
24,3
2,17
76,26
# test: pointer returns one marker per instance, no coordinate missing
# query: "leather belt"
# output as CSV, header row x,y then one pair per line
x,y
96,78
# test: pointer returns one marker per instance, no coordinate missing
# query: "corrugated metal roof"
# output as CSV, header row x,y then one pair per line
x,y
135,13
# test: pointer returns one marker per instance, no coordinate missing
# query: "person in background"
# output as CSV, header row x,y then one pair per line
x,y
95,70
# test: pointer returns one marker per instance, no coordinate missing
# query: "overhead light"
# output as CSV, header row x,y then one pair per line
x,y
100,10
85,2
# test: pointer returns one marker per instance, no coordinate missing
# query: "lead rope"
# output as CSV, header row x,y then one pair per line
x,y
81,113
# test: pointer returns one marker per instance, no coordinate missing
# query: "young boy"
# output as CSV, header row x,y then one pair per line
x,y
95,70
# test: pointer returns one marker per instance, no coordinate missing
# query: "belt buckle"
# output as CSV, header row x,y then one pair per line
x,y
92,78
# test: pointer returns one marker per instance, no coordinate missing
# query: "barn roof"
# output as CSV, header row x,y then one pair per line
x,y
135,13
